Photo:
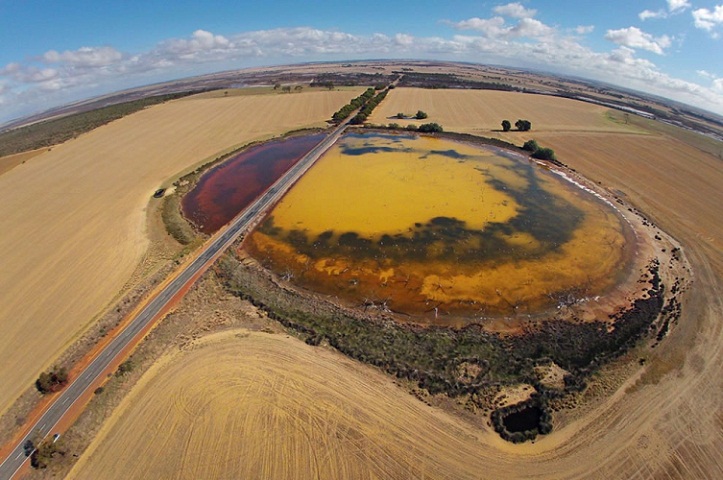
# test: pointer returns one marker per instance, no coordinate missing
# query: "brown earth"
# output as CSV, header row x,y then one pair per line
x,y
73,218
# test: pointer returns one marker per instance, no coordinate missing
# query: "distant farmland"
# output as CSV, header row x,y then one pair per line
x,y
482,111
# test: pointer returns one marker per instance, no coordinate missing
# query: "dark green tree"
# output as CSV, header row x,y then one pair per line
x,y
530,146
52,381
506,125
523,125
544,154
430,128
420,115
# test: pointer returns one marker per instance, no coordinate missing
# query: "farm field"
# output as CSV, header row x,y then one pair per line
x,y
74,218
665,421
481,112
8,162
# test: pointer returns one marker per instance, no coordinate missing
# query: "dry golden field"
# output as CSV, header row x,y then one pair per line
x,y
262,406
73,218
482,111
9,162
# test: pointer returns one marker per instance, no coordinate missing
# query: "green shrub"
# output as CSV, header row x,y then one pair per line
x,y
430,128
530,146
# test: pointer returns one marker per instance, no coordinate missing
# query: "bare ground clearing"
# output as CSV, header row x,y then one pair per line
x,y
74,218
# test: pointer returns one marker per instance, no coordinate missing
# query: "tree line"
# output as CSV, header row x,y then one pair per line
x,y
368,108
355,103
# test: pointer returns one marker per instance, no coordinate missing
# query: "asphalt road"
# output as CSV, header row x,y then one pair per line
x,y
60,407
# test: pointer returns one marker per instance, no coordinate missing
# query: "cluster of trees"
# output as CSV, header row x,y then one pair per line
x,y
430,128
327,85
543,153
521,125
543,427
424,128
357,102
420,115
44,451
368,108
52,381
287,88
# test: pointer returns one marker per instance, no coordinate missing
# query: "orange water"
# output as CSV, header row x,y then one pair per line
x,y
422,225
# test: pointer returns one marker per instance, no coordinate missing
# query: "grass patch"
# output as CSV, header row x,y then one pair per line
x,y
176,224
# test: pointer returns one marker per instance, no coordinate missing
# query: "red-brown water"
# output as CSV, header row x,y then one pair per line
x,y
224,191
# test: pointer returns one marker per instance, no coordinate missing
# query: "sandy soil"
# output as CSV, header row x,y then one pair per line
x,y
73,219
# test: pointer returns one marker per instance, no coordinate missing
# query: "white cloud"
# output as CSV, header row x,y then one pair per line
x,y
10,69
55,78
678,5
584,29
674,7
403,39
201,43
514,10
496,27
85,57
531,28
635,38
646,14
716,81
491,27
708,19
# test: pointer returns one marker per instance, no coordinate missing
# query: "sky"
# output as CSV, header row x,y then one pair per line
x,y
55,52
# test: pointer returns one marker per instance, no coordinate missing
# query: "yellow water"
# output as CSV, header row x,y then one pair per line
x,y
423,225
387,192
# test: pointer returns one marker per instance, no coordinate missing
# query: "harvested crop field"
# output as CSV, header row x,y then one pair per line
x,y
252,405
255,405
8,162
73,218
664,421
482,111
